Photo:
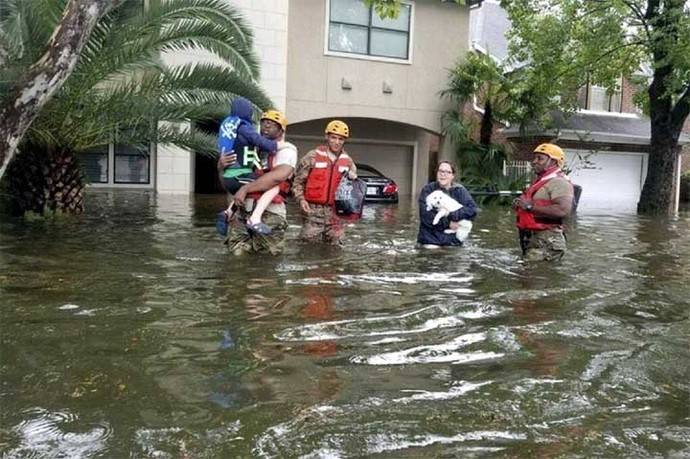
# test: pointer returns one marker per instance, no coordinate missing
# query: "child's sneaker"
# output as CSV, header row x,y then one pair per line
x,y
259,228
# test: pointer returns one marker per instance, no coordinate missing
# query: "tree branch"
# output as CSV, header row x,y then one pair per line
x,y
47,75
682,109
578,66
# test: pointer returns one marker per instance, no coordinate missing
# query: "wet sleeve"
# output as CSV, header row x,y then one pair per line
x,y
469,207
257,140
301,173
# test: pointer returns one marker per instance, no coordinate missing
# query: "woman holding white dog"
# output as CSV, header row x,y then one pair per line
x,y
446,210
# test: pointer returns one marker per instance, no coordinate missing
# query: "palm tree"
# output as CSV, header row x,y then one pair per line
x,y
122,88
504,96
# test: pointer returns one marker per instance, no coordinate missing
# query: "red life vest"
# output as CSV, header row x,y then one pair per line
x,y
526,220
324,177
284,186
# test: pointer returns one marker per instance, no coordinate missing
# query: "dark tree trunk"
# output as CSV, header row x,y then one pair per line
x,y
45,182
667,115
487,126
48,74
657,193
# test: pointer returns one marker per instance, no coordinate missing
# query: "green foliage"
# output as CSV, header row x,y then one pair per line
x,y
385,8
122,84
568,42
481,170
478,75
391,8
480,167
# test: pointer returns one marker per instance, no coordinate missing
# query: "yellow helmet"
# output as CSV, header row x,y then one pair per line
x,y
552,151
338,127
275,115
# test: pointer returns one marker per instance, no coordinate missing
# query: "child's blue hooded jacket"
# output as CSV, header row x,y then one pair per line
x,y
246,136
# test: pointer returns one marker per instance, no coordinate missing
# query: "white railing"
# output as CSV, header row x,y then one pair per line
x,y
517,169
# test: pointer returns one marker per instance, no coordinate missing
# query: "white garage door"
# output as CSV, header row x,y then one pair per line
x,y
609,181
394,161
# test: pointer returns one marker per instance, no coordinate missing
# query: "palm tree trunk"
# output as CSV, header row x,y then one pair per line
x,y
487,125
46,182
46,76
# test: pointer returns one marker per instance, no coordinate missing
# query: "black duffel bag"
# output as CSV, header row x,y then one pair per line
x,y
349,197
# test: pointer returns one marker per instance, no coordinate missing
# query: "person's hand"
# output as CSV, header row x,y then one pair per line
x,y
304,205
352,174
225,161
519,203
240,196
454,225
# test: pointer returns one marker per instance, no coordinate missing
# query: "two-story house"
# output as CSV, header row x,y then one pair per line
x,y
326,59
606,141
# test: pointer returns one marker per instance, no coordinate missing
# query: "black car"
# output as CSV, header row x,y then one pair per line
x,y
379,187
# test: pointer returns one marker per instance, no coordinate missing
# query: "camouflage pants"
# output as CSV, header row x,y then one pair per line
x,y
547,245
240,240
322,225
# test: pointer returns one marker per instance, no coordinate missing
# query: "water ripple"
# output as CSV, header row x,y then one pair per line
x,y
439,353
45,433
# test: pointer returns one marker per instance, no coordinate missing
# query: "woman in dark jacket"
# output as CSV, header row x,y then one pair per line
x,y
431,235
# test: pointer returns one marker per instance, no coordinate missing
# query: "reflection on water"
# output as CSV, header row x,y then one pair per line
x,y
130,332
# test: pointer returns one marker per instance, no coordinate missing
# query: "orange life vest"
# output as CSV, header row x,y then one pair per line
x,y
284,186
324,177
526,220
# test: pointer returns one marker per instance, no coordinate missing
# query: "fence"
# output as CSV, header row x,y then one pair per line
x,y
516,170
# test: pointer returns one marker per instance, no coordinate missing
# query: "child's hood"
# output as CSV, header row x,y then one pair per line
x,y
242,108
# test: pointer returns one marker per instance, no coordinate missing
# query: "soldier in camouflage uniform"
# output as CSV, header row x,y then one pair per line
x,y
316,179
240,239
542,208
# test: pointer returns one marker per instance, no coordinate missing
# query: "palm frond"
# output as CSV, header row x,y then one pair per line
x,y
122,85
190,139
138,43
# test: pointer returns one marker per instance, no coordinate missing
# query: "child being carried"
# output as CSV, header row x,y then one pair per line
x,y
238,136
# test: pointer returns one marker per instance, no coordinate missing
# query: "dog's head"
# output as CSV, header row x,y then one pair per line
x,y
433,201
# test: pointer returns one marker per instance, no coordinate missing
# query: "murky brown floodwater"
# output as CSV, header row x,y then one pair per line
x,y
131,333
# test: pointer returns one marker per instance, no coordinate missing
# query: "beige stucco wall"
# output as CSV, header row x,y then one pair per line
x,y
439,38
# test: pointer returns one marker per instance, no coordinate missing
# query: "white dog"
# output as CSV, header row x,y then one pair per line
x,y
444,205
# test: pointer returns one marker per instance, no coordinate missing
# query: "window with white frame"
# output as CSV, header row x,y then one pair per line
x,y
355,28
599,99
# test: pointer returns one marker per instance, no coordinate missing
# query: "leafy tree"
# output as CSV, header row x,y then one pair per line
x,y
567,41
504,95
478,75
120,89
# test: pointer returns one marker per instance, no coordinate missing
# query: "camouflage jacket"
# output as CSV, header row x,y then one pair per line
x,y
304,166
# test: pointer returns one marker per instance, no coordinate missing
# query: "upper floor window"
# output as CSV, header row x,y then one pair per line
x,y
356,29
599,99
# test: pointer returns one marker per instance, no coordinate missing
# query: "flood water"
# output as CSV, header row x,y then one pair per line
x,y
131,332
